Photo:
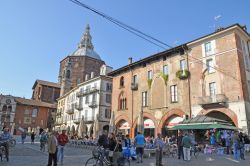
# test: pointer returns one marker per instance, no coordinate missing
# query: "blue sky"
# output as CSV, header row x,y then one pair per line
x,y
36,34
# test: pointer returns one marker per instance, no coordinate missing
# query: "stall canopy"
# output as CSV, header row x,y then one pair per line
x,y
204,122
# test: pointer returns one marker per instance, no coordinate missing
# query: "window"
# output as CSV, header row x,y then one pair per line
x,y
150,75
108,87
245,54
123,103
68,74
165,70
248,87
108,98
210,66
182,64
88,88
145,99
87,99
78,81
208,48
173,93
94,97
122,81
107,113
135,79
212,89
34,113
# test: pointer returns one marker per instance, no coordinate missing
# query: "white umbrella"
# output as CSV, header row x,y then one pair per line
x,y
112,122
82,129
96,126
140,124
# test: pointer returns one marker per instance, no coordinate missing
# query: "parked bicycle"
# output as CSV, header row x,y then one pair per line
x,y
99,159
195,150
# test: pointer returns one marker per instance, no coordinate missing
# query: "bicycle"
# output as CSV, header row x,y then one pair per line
x,y
12,142
195,150
4,151
99,158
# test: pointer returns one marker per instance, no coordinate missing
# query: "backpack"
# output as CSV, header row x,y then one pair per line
x,y
43,138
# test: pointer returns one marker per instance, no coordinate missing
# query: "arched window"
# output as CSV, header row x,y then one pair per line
x,y
122,102
122,81
68,74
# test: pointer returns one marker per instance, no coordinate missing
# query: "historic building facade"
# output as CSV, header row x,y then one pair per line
x,y
45,91
209,76
80,65
20,114
90,101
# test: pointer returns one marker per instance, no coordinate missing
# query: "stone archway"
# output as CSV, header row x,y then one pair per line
x,y
173,112
222,111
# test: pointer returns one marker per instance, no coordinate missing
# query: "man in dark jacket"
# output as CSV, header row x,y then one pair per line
x,y
103,140
180,147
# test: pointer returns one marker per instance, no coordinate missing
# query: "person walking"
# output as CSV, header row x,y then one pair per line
x,y
228,143
236,145
242,144
52,149
23,136
117,152
159,143
62,141
32,137
139,144
179,145
112,144
186,143
43,140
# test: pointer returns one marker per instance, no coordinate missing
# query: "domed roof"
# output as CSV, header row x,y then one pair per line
x,y
85,47
86,52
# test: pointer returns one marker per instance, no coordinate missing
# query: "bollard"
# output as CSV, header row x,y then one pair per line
x,y
157,156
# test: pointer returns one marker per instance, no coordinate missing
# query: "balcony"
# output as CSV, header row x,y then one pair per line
x,y
89,119
77,120
219,100
70,111
93,104
134,86
58,122
79,107
87,91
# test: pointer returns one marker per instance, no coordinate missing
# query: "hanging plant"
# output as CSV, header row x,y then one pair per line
x,y
165,77
149,83
182,74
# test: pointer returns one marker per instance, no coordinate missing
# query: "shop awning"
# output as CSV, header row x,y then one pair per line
x,y
200,126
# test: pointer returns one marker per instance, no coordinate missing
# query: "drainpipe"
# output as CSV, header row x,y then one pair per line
x,y
132,103
189,86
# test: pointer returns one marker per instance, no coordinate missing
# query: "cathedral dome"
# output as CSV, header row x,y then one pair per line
x,y
85,47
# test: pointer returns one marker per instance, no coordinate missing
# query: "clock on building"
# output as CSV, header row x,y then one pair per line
x,y
8,101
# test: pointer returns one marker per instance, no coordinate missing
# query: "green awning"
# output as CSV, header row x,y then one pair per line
x,y
200,126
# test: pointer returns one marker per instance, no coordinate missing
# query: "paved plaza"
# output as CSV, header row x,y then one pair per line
x,y
30,155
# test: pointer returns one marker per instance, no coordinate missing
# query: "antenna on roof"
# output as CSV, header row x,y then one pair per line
x,y
216,25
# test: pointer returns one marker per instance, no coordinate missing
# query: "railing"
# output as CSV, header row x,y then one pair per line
x,y
93,104
77,120
59,122
79,107
58,113
218,98
87,91
134,86
89,118
70,111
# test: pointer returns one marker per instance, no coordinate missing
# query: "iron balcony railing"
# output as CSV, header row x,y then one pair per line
x,y
87,91
134,86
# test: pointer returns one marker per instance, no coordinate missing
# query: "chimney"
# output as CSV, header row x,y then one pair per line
x,y
130,60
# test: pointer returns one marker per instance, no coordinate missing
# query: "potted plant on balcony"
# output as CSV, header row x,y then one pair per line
x,y
165,77
182,74
149,83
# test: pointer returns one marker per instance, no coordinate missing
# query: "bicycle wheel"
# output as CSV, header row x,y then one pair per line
x,y
91,162
196,153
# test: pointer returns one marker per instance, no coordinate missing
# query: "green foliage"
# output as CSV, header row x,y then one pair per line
x,y
182,74
165,77
149,83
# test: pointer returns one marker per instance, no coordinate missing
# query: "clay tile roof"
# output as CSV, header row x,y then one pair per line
x,y
42,82
34,102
